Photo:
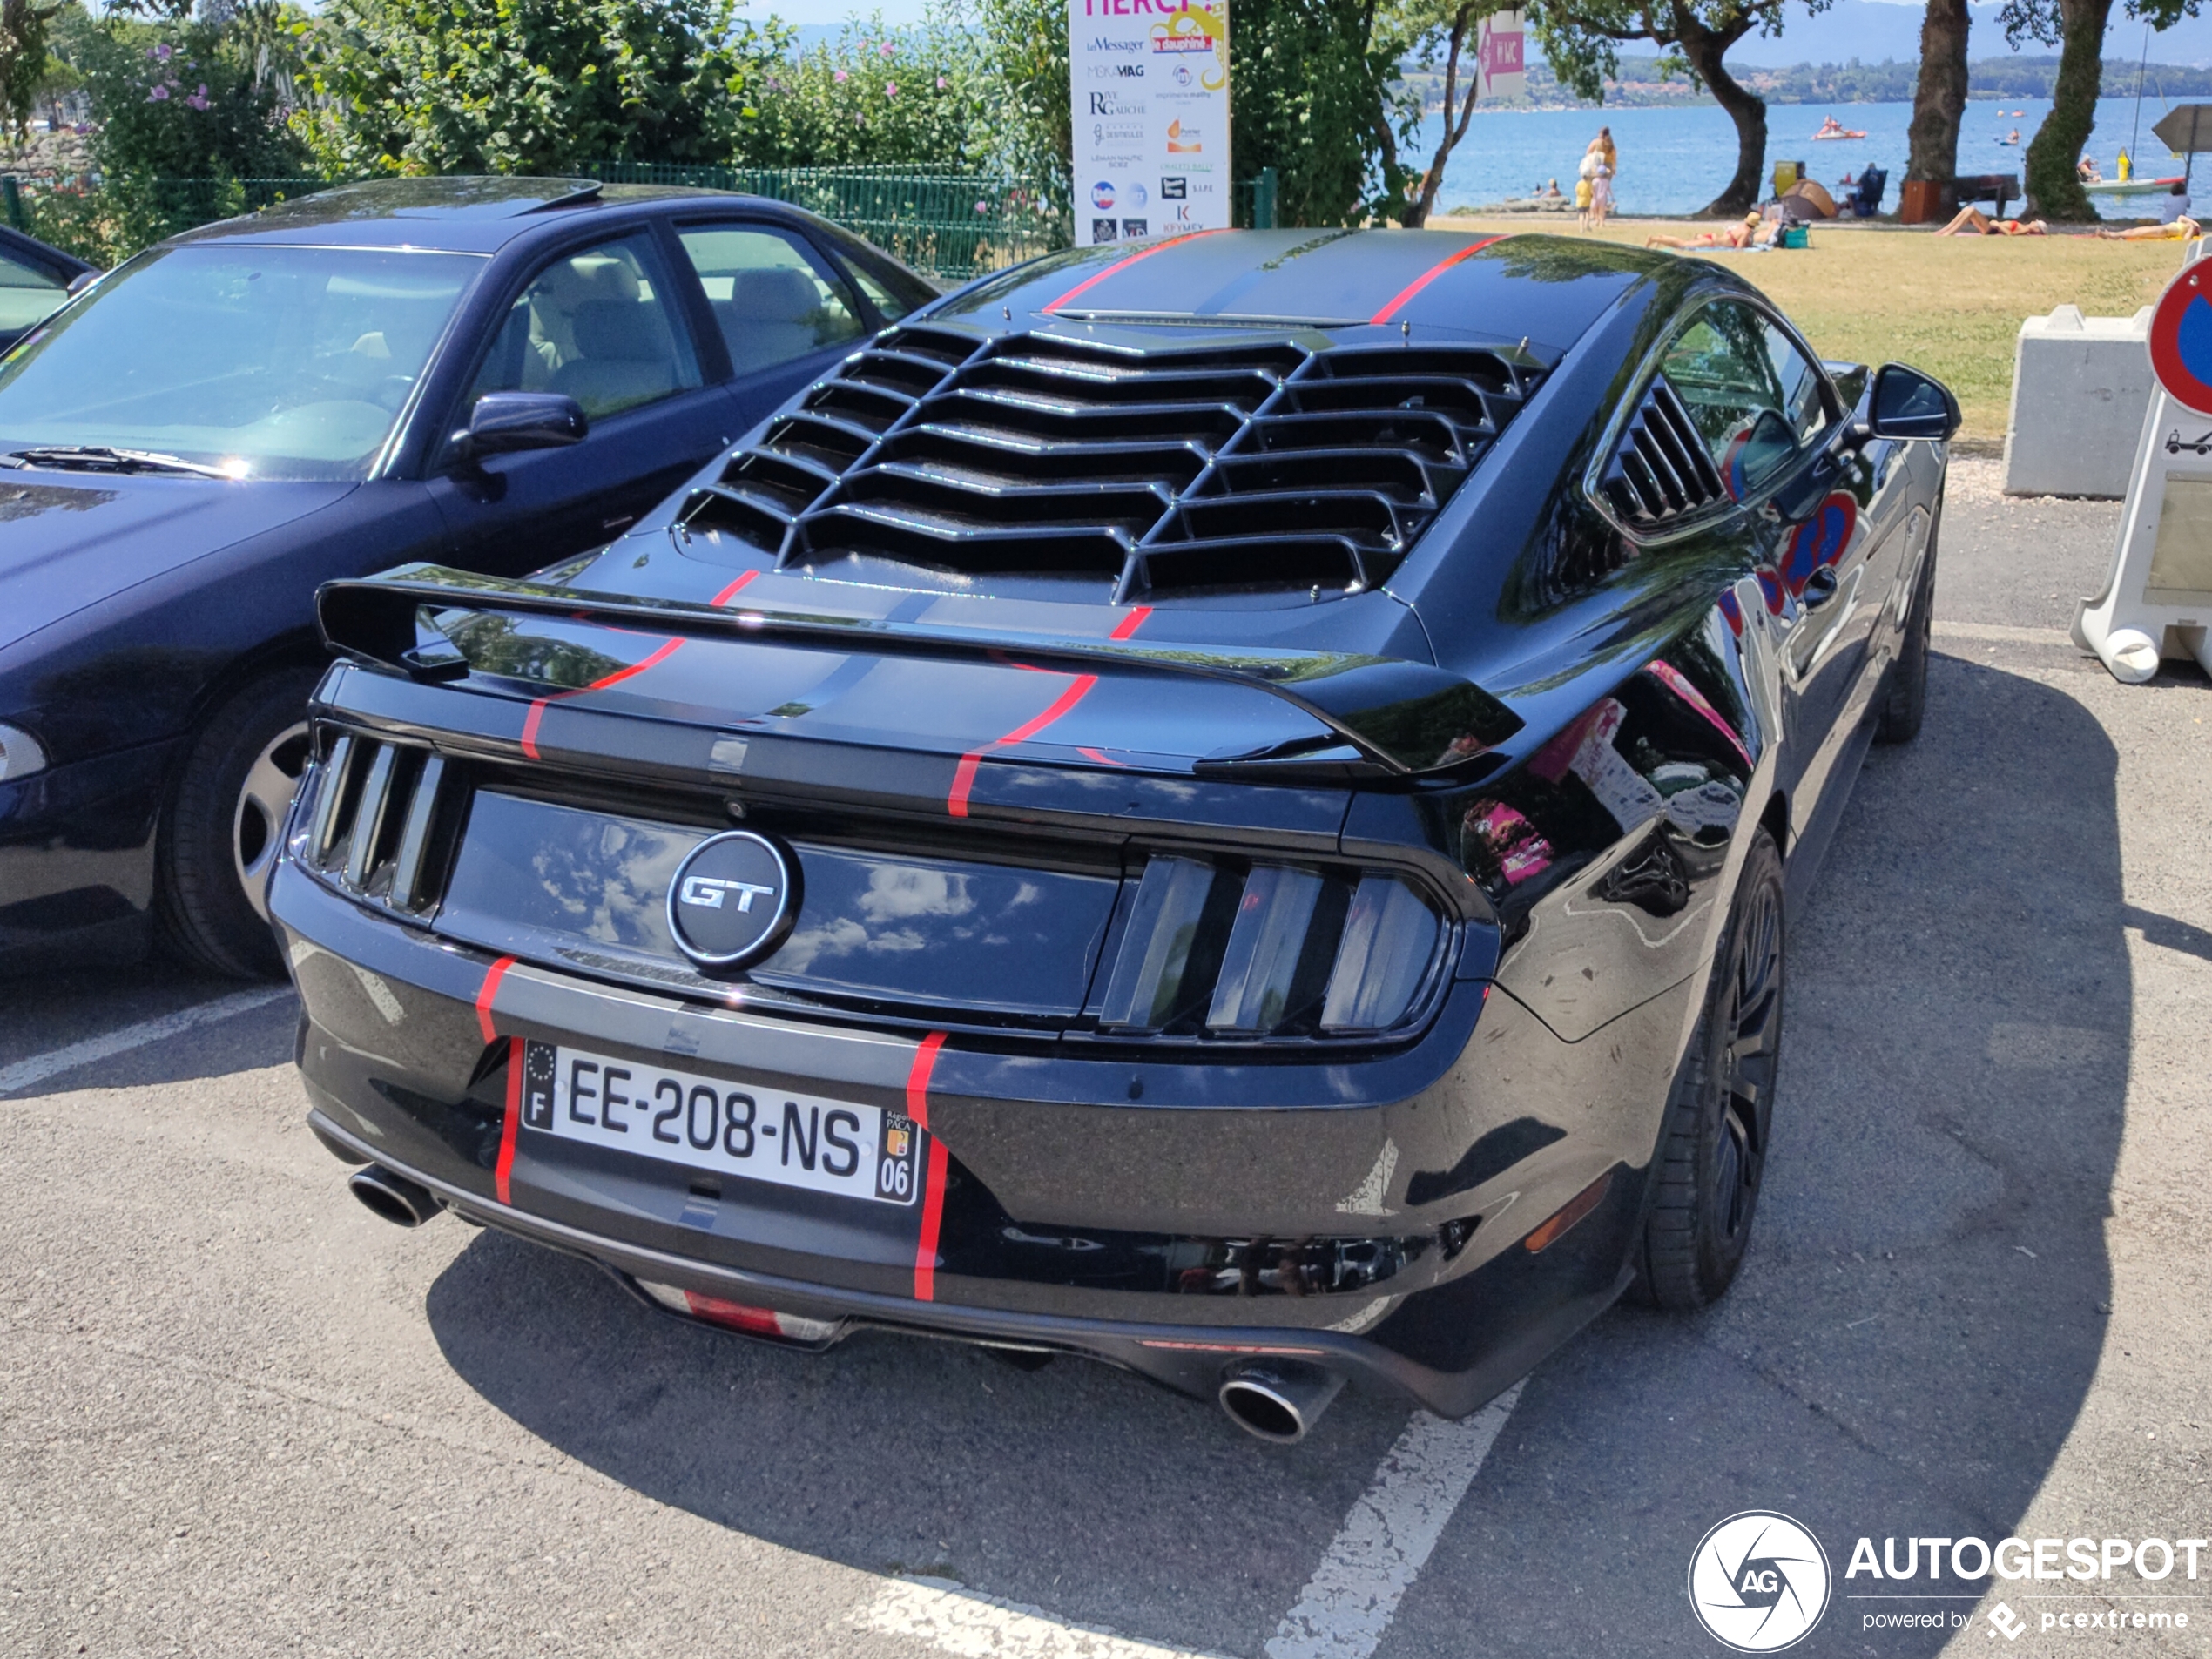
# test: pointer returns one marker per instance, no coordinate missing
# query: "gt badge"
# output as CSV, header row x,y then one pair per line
x,y
732,900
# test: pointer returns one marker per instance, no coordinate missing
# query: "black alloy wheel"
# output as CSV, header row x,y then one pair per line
x,y
1712,1152
1904,691
220,836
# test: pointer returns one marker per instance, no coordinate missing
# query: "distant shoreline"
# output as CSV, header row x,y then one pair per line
x,y
1991,79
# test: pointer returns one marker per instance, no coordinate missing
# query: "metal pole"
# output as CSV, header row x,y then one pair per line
x,y
2142,67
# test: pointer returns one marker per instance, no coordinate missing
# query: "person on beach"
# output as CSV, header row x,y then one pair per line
x,y
1752,232
2175,205
1601,197
1974,220
1602,146
2183,229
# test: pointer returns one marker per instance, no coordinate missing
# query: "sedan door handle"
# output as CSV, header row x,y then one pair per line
x,y
1820,586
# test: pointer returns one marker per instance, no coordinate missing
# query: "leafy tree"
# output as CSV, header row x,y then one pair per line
x,y
424,86
22,61
2077,28
1448,29
1581,38
1939,94
1314,92
1020,124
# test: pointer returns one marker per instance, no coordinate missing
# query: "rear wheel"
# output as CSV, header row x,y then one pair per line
x,y
220,837
1712,1151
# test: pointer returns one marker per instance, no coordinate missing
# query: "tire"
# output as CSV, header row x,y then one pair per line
x,y
220,834
1711,1157
1904,695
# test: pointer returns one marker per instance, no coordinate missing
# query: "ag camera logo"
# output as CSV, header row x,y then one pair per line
x,y
1760,1582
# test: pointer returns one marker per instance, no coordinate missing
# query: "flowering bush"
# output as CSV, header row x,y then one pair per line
x,y
875,95
181,101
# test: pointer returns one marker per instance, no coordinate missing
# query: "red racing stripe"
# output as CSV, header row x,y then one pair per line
x,y
933,1188
1086,286
734,590
668,648
505,1167
964,773
918,1078
490,989
1430,275
1131,624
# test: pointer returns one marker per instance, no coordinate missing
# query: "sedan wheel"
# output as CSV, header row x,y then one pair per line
x,y
257,828
1712,1154
225,828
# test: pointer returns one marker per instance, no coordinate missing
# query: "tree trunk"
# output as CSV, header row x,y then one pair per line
x,y
2053,188
1939,96
1704,49
1423,202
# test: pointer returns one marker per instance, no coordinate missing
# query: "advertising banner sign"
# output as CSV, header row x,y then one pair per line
x,y
1497,56
1150,90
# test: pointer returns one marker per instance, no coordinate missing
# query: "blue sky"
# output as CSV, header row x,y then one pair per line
x,y
1872,30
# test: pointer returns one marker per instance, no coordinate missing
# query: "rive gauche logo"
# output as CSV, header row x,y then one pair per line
x,y
732,900
1758,1581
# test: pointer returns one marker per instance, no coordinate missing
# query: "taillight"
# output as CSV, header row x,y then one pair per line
x,y
1277,949
737,1316
1389,941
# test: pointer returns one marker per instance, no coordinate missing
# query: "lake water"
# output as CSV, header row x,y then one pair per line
x,y
1675,160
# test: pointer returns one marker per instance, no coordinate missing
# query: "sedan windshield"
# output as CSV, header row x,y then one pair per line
x,y
257,362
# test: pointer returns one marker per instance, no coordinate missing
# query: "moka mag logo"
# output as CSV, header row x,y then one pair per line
x,y
1760,1582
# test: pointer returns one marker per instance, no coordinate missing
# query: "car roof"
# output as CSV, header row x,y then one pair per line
x,y
1448,284
460,215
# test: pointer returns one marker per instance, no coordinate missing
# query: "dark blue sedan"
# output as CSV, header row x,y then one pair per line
x,y
494,372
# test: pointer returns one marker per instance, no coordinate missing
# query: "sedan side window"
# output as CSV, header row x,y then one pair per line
x,y
27,295
771,297
1723,370
596,326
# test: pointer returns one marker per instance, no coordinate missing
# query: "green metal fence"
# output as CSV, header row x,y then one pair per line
x,y
951,225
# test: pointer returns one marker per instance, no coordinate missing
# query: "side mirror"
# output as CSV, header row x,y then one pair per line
x,y
1908,404
503,422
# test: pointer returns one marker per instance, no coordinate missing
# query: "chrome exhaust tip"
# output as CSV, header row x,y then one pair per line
x,y
1279,1400
399,1200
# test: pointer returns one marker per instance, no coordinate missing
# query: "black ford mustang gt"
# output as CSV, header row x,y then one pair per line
x,y
1229,807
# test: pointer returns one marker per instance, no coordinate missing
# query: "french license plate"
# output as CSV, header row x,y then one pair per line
x,y
711,1123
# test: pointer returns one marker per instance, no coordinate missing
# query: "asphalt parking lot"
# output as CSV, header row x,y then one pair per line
x,y
240,1415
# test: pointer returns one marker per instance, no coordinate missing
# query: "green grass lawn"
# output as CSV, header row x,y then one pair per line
x,y
1949,304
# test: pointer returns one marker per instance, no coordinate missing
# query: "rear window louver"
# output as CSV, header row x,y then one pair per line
x,y
1236,468
1660,471
381,824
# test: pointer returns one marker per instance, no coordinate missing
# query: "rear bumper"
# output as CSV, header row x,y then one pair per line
x,y
1369,1217
1187,1357
76,845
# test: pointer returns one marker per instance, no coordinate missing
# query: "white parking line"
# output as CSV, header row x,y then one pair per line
x,y
1348,1603
1385,1540
25,1074
959,1621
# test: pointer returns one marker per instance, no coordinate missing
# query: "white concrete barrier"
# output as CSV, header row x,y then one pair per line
x,y
2080,386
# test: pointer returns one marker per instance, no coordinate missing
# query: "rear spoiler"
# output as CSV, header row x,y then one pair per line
x,y
1405,717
